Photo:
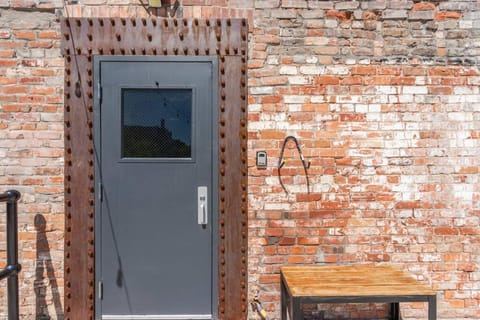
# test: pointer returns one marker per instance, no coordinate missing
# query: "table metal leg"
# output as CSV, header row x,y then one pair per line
x,y
432,308
296,309
395,311
283,293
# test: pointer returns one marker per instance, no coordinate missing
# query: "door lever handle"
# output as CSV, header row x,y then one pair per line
x,y
204,213
202,205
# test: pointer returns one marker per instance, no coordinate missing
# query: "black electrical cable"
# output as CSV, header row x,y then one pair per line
x,y
281,163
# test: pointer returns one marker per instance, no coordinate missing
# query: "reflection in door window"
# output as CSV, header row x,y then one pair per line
x,y
156,123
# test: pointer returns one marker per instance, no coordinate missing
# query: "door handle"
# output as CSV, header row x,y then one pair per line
x,y
202,205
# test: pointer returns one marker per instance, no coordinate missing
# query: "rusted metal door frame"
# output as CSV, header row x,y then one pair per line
x,y
82,38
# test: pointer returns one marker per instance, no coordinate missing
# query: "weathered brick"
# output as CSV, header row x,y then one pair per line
x,y
266,4
316,41
444,15
284,13
424,6
312,70
8,62
421,15
22,3
294,4
275,80
288,70
48,34
340,15
395,14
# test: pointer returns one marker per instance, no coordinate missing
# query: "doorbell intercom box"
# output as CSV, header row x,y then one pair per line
x,y
261,159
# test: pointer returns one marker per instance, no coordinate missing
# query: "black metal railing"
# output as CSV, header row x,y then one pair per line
x,y
13,267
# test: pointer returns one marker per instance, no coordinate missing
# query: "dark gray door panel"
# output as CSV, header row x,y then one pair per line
x,y
156,129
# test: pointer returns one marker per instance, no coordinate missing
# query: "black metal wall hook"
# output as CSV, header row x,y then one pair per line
x,y
281,163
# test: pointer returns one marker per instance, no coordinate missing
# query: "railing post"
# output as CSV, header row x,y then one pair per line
x,y
12,254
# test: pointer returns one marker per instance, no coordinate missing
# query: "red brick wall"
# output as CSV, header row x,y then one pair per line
x,y
394,155
383,97
31,155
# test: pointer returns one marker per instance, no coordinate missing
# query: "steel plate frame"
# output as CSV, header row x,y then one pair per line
x,y
82,38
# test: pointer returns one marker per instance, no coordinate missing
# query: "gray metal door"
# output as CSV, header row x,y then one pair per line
x,y
156,142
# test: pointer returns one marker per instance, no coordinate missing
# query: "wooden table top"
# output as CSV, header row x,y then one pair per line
x,y
351,280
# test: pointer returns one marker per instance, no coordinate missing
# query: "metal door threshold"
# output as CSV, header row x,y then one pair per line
x,y
158,317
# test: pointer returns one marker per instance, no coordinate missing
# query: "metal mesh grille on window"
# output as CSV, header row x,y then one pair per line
x,y
156,123
153,142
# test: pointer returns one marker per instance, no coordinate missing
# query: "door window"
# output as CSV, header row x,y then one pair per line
x,y
156,123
